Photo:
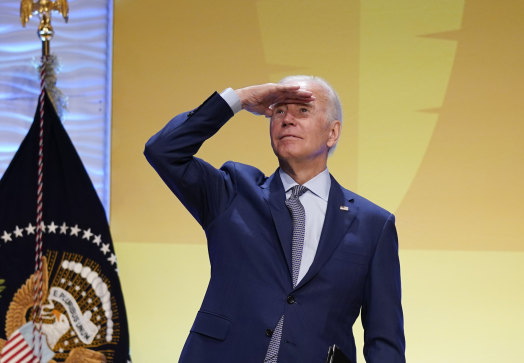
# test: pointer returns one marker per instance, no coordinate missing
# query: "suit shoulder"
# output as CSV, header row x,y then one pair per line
x,y
366,206
244,173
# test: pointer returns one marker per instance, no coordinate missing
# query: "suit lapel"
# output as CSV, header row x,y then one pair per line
x,y
276,197
336,223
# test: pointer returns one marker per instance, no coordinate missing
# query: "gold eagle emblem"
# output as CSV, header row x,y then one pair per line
x,y
44,8
52,329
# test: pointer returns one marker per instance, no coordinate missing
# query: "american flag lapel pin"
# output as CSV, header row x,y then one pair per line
x,y
344,208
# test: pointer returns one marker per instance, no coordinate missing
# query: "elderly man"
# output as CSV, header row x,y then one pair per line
x,y
294,257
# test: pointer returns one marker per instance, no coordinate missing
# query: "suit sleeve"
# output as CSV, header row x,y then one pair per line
x,y
204,190
382,315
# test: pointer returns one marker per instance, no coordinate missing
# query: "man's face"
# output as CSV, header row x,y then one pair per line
x,y
301,132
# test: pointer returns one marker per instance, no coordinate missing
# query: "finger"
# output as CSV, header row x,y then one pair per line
x,y
293,90
300,95
305,98
288,87
295,93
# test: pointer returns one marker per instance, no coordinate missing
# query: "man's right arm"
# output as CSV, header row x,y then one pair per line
x,y
198,185
204,190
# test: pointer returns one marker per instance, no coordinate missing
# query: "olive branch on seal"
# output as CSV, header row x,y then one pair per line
x,y
2,287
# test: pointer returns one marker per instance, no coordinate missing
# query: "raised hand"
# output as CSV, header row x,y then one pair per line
x,y
259,99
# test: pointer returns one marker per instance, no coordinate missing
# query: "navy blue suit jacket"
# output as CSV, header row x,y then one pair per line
x,y
248,229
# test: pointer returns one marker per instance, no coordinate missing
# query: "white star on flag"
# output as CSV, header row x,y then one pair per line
x,y
51,228
30,229
63,228
6,237
42,227
75,230
87,234
105,248
112,259
19,232
97,240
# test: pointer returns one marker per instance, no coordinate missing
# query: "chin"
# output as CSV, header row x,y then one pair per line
x,y
289,156
285,152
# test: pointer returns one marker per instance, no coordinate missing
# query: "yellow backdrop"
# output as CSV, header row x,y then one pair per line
x,y
432,94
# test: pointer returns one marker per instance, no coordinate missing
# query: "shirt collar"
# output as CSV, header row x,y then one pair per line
x,y
318,185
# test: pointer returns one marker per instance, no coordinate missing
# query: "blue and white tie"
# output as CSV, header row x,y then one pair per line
x,y
298,215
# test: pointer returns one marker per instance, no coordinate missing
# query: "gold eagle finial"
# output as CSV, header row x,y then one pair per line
x,y
44,9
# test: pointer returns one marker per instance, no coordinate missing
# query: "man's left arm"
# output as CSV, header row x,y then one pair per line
x,y
382,315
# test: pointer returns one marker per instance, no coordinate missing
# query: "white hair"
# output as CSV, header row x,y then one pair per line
x,y
334,111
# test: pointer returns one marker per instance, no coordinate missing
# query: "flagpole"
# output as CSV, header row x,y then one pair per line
x,y
46,32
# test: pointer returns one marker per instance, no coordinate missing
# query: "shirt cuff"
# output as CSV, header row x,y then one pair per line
x,y
232,99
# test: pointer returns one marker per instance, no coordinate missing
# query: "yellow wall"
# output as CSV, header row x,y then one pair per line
x,y
432,92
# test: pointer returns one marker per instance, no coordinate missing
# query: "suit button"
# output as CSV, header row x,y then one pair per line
x,y
290,299
269,333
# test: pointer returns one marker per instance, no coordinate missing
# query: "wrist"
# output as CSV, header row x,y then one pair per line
x,y
232,98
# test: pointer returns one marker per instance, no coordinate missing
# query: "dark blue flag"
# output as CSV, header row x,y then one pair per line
x,y
83,316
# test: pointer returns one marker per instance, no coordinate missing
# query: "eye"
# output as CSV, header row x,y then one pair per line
x,y
304,110
279,111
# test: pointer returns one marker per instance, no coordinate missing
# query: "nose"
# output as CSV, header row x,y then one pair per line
x,y
288,119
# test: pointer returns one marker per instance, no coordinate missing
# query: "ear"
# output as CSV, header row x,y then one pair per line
x,y
334,133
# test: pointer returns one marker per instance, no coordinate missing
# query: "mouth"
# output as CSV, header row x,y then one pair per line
x,y
289,137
